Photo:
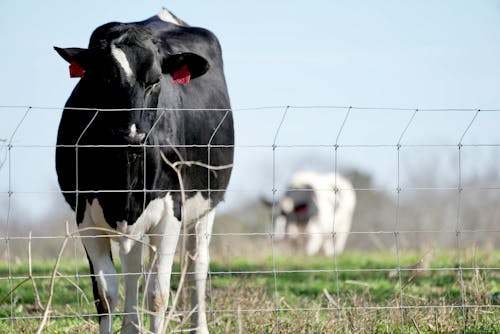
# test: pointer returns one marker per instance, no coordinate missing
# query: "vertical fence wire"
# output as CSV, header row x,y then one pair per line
x,y
208,231
78,294
147,268
336,190
77,191
10,193
271,233
397,223
458,231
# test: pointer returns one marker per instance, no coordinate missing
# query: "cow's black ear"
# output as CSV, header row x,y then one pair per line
x,y
197,65
70,54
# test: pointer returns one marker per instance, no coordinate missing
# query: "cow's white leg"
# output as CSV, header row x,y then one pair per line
x,y
340,241
131,265
196,284
334,245
342,227
329,246
315,238
164,238
104,279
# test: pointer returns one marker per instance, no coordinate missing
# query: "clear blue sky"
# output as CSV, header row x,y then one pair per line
x,y
414,54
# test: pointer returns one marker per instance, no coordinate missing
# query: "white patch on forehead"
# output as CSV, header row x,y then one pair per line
x,y
121,58
166,16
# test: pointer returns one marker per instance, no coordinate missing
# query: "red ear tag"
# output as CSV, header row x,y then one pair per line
x,y
76,70
181,76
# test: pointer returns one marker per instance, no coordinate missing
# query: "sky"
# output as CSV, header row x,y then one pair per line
x,y
369,54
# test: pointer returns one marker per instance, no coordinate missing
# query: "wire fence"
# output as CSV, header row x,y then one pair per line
x,y
422,254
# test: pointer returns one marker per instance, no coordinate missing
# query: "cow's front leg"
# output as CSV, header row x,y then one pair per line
x,y
164,238
102,269
131,264
315,237
198,242
342,227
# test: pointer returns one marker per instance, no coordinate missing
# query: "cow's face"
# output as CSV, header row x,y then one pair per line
x,y
293,212
123,68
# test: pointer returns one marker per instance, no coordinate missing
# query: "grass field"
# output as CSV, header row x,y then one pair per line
x,y
356,293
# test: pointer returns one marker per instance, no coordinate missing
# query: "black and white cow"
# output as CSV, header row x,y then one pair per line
x,y
136,144
316,208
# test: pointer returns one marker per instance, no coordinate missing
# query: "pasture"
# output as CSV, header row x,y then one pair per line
x,y
360,292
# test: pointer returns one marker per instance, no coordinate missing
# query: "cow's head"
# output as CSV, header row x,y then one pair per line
x,y
293,211
123,68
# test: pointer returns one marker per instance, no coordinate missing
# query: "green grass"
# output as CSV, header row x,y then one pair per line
x,y
355,293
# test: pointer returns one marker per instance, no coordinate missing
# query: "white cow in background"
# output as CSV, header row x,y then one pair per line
x,y
317,208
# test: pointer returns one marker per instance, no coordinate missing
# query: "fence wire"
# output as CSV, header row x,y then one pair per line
x,y
289,138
